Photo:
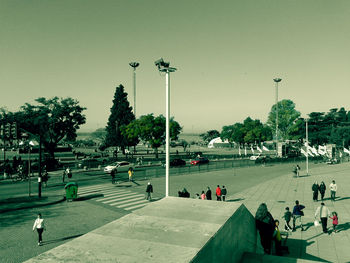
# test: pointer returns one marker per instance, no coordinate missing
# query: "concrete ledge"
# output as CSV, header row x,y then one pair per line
x,y
170,230
255,258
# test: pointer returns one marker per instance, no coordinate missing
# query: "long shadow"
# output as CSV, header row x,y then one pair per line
x,y
308,225
235,200
60,239
87,197
343,227
135,183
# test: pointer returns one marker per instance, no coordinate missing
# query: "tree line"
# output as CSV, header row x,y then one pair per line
x,y
323,127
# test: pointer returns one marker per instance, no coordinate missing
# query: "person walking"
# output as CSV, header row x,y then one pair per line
x,y
218,193
334,217
265,224
208,194
63,175
298,170
315,188
324,213
149,191
40,227
203,195
131,174
333,188
113,176
223,193
297,215
322,190
287,217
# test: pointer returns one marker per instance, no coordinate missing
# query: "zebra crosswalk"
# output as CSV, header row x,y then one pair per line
x,y
113,196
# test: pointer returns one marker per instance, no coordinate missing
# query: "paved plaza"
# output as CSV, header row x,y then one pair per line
x,y
280,192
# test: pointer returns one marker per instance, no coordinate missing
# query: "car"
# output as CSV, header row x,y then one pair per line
x,y
255,157
176,162
200,160
120,166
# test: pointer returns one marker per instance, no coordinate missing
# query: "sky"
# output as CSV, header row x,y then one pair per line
x,y
226,52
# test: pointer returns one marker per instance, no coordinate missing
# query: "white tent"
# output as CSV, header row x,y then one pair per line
x,y
216,140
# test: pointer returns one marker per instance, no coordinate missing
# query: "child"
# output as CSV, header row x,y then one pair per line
x,y
203,195
334,217
287,216
277,235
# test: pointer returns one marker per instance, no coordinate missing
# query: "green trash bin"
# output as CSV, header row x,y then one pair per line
x,y
71,191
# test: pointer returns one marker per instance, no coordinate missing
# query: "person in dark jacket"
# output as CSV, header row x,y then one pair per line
x,y
223,193
297,215
208,194
149,191
322,189
315,188
265,224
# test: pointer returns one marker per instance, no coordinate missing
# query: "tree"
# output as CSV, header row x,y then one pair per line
x,y
227,133
209,135
152,130
99,134
121,115
51,119
287,116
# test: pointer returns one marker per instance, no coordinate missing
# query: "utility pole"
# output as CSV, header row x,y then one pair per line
x,y
276,80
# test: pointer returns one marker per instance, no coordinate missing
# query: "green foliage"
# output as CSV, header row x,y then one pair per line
x,y
209,135
250,131
287,116
151,129
53,119
121,115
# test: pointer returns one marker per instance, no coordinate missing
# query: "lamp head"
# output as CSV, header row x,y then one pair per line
x,y
134,64
277,80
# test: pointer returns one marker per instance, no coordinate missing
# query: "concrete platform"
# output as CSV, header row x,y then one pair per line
x,y
170,230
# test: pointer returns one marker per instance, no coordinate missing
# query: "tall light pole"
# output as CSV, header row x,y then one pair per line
x,y
307,146
164,67
276,80
134,65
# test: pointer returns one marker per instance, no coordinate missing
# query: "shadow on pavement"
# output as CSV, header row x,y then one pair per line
x,y
60,239
87,197
235,200
343,227
297,249
135,183
308,225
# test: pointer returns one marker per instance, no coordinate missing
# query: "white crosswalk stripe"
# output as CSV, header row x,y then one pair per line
x,y
115,196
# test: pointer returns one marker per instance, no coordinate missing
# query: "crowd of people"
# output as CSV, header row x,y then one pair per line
x,y
321,188
220,193
269,230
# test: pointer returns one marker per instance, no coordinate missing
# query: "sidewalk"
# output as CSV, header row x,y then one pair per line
x,y
281,192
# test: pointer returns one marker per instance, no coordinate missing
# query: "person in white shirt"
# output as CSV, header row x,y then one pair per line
x,y
39,226
324,213
333,188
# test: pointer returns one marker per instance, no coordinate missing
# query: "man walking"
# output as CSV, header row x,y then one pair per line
x,y
315,188
218,193
297,214
324,213
149,191
333,188
223,193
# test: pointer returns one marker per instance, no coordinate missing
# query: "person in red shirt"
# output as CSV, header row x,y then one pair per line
x,y
218,193
334,217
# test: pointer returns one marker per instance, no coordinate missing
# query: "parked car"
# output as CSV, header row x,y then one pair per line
x,y
255,157
120,166
176,162
200,160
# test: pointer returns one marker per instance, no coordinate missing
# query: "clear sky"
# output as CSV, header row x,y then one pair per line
x,y
226,52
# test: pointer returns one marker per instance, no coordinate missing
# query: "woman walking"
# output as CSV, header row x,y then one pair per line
x,y
322,189
315,189
39,226
266,227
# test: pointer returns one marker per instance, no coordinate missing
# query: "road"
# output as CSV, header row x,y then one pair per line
x,y
68,220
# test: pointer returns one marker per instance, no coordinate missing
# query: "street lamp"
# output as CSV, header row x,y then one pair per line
x,y
134,65
164,67
276,80
307,146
